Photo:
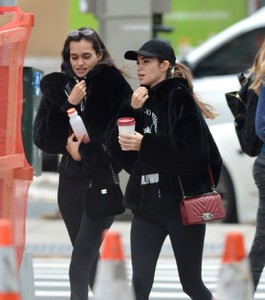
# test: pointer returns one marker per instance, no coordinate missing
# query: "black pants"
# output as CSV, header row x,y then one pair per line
x,y
147,238
257,251
85,234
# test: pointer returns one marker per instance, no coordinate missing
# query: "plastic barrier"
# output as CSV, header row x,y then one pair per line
x,y
111,279
15,172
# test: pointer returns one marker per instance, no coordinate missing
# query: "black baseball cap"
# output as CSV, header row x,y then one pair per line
x,y
153,48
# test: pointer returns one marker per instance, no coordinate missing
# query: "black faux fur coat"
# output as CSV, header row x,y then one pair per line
x,y
106,91
176,141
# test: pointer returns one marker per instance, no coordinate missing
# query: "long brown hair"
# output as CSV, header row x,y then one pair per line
x,y
258,69
179,70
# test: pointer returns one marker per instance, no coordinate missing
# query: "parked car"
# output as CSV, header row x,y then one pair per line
x,y
215,65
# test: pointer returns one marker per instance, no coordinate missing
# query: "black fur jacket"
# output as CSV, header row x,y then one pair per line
x,y
176,141
106,91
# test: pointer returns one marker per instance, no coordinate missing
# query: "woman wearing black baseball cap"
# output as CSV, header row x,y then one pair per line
x,y
171,139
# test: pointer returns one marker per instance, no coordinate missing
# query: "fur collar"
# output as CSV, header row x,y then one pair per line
x,y
60,79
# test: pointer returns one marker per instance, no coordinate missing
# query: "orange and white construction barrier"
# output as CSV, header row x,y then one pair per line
x,y
111,279
9,287
235,279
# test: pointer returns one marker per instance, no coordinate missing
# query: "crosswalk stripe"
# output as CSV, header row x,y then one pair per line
x,y
51,276
52,284
56,294
51,279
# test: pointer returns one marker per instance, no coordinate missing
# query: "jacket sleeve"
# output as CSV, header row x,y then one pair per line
x,y
119,94
125,159
51,125
184,148
260,115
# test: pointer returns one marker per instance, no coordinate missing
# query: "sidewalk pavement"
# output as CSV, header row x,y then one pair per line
x,y
50,238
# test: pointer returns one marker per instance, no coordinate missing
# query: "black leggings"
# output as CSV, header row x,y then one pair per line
x,y
147,238
85,234
257,251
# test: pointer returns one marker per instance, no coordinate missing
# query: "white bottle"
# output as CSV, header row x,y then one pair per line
x,y
77,125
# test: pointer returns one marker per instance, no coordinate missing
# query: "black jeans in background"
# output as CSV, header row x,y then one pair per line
x,y
257,251
85,234
147,238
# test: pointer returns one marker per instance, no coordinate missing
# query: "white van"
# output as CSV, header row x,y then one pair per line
x,y
215,65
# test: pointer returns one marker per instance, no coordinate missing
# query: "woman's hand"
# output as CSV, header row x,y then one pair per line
x,y
131,141
139,97
73,146
78,93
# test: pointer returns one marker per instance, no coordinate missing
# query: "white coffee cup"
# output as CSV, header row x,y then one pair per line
x,y
126,125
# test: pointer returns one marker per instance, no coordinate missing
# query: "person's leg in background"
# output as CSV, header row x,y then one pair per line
x,y
257,251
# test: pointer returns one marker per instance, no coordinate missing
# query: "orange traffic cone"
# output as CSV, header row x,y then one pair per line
x,y
235,280
111,279
8,265
234,248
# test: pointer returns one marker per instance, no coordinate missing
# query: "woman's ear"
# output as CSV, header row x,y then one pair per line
x,y
100,55
164,65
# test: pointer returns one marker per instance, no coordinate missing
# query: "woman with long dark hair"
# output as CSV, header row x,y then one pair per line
x,y
90,83
171,141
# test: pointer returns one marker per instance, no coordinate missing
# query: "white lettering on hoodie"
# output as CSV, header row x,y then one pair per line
x,y
150,179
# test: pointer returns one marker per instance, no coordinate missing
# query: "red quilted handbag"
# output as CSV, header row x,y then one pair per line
x,y
202,208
